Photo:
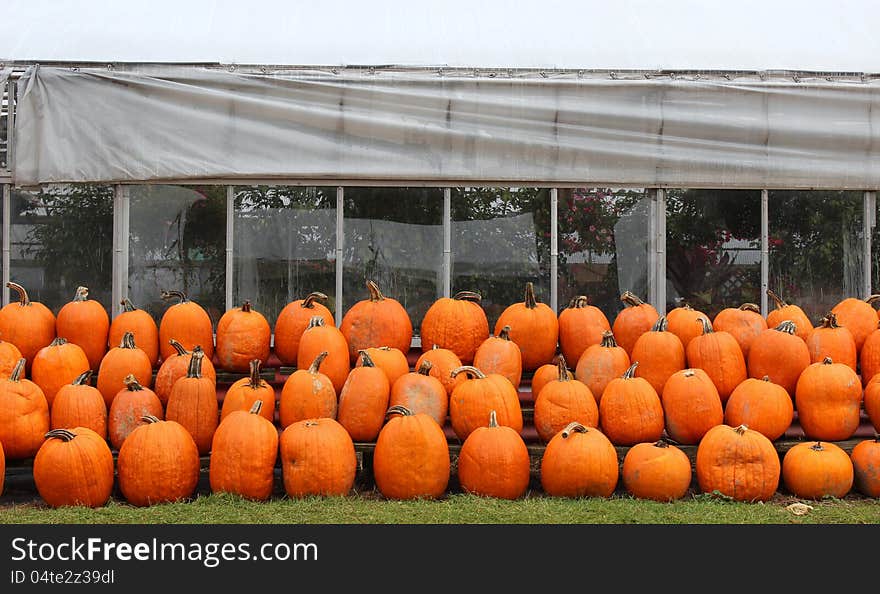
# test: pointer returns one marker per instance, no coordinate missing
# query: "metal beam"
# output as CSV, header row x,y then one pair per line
x,y
340,244
554,250
230,245
7,239
120,246
447,242
765,250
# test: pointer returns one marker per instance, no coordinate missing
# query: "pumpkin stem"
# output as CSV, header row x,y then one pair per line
x,y
608,339
127,341
127,306
631,299
661,443
398,409
132,384
817,447
573,427
787,326
425,367
255,381
150,419
871,299
257,407
830,320
530,301
493,419
315,321
310,299
689,373
563,369
58,341
631,371
366,360
375,293
62,434
83,379
777,299
195,364
741,430
82,294
505,333
750,307
766,378
18,370
468,296
23,298
175,295
468,369
316,364
827,361
579,302
661,324
181,350
312,423
246,306
707,325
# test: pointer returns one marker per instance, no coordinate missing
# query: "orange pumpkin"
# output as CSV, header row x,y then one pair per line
x,y
600,364
85,322
29,325
813,470
869,356
363,400
375,322
411,458
779,354
561,402
243,393
193,404
79,404
858,316
56,365
719,355
788,311
630,411
658,471
443,361
74,467
9,356
636,318
581,325
579,462
421,392
660,353
186,322
390,360
243,454
317,458
24,414
499,354
763,406
130,405
744,323
320,337
293,320
173,368
691,405
872,402
494,462
831,340
141,324
686,323
547,373
120,361
865,458
457,324
475,398
534,328
243,334
307,394
2,468
737,462
828,399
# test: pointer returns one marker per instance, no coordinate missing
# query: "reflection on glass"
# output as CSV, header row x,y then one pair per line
x,y
284,246
500,241
62,237
816,248
713,249
177,242
394,236
603,245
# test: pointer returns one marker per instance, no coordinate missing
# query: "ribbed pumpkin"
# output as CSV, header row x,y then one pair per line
x,y
243,454
375,322
738,463
158,463
293,320
832,340
761,405
119,362
456,323
499,354
600,364
828,399
74,467
579,462
390,360
79,404
562,401
685,322
193,404
580,326
29,325
186,322
869,356
56,365
779,354
691,405
9,356
858,316
317,458
788,311
84,322
660,353
443,361
243,334
141,324
658,471
872,402
814,469
636,318
130,405
719,355
244,392
307,394
363,400
421,392
24,414
744,323
474,399
320,337
494,462
630,411
174,367
411,458
865,458
534,327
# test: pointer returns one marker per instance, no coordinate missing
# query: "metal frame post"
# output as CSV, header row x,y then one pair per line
x,y
870,221
554,250
447,242
7,239
230,245
657,280
121,233
340,244
765,249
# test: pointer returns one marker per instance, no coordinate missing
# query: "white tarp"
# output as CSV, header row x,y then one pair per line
x,y
164,123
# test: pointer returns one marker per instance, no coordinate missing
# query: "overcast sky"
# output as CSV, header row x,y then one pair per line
x,y
640,34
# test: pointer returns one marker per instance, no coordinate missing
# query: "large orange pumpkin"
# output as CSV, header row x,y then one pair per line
x,y
363,400
24,414
442,361
501,355
813,470
244,392
858,316
79,404
744,323
474,399
456,323
832,340
186,322
579,462
719,355
534,327
494,462
293,320
421,392
760,404
691,405
317,458
872,402
600,364
56,365
561,402
193,404
660,353
636,318
828,398
320,337
737,462
141,324
307,394
74,467
29,325
788,311
865,458
9,356
686,323
130,405
630,411
243,454
120,361
375,322
658,471
243,334
779,354
390,360
174,367
85,322
580,326
869,356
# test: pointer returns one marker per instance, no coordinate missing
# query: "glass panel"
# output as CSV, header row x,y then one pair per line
x,y
177,242
394,236
816,248
500,241
713,248
61,237
284,247
603,245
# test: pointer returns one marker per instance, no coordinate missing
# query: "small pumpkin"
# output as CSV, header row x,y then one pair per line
x,y
815,469
686,322
534,328
660,353
421,392
374,322
501,355
828,398
140,323
307,394
832,340
579,462
858,316
24,414
74,467
130,405
658,471
158,463
580,326
737,462
475,398
363,400
636,318
411,458
320,337
630,411
56,365
9,356
317,458
293,320
243,453
119,362
865,458
788,311
243,334
79,404
761,405
186,322
691,405
29,325
390,360
457,324
174,367
871,402
744,323
600,364
494,462
547,373
443,361
561,402
780,354
719,355
193,404
244,392
85,322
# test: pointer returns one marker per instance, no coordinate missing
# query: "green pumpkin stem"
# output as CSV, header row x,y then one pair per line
x,y
530,301
827,361
398,409
375,293
366,360
127,341
255,382
83,379
505,333
127,306
82,294
181,350
707,325
62,434
315,321
195,363
608,340
573,427
631,371
246,306
18,370
175,295
817,447
257,407
316,364
579,302
830,320
425,368
132,383
309,301
23,298
776,299
661,324
148,419
563,368
630,299
493,419
469,370
750,307
468,296
787,326
58,341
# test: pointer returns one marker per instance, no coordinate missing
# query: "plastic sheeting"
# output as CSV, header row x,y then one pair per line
x,y
166,123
